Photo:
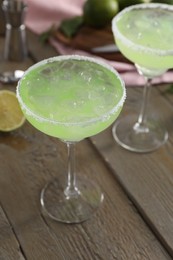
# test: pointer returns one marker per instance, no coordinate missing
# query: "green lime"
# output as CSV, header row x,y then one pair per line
x,y
99,13
11,115
125,3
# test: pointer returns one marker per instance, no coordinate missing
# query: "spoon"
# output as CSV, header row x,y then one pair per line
x,y
11,76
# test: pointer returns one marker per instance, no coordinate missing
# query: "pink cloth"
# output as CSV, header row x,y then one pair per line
x,y
42,14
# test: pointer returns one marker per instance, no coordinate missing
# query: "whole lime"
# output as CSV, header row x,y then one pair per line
x,y
99,13
125,3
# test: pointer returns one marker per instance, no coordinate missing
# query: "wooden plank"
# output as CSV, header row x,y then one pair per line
x,y
147,178
20,182
9,246
166,93
116,231
88,38
28,160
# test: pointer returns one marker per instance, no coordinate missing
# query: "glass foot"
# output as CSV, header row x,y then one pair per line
x,y
148,139
75,208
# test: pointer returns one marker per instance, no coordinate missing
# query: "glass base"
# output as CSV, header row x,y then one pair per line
x,y
127,133
75,208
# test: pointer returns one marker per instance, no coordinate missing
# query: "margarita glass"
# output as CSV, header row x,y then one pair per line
x,y
71,98
144,34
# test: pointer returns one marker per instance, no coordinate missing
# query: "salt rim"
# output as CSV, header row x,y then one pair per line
x,y
131,44
72,57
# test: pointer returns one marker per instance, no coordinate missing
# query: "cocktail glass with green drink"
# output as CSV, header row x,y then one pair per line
x,y
71,98
144,34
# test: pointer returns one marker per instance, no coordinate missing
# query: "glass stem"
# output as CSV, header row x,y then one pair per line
x,y
141,123
71,189
146,93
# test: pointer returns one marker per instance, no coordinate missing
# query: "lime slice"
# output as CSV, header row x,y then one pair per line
x,y
11,116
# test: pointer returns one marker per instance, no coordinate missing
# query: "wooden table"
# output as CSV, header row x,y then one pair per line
x,y
134,222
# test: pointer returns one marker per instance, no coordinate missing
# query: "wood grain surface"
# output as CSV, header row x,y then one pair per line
x,y
123,226
147,178
88,38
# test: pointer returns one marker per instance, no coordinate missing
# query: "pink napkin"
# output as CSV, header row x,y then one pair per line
x,y
42,14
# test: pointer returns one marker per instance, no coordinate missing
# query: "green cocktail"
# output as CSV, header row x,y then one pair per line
x,y
144,34
71,98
